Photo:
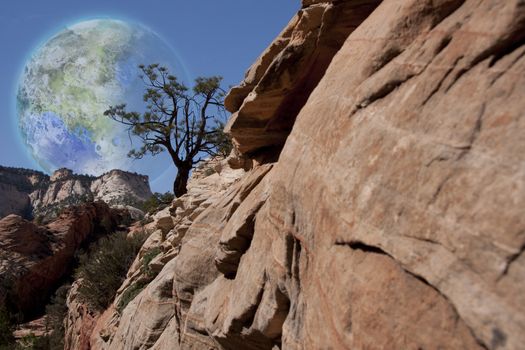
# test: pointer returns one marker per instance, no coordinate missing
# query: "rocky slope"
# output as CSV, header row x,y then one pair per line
x,y
33,259
87,328
384,203
33,194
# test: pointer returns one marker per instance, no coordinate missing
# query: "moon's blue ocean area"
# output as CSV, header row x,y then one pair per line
x,y
50,133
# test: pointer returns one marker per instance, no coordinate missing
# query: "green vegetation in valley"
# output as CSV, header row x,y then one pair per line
x,y
104,268
157,202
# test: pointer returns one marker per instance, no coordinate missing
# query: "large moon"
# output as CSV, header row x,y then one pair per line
x,y
72,79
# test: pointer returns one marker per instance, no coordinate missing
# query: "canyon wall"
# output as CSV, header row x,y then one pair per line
x,y
31,193
383,206
34,259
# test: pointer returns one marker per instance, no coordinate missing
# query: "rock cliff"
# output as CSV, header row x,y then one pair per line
x,y
33,194
33,259
86,329
383,205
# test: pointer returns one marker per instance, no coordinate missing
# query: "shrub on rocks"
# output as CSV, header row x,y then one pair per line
x,y
104,268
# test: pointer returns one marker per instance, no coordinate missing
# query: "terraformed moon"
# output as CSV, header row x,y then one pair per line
x,y
72,79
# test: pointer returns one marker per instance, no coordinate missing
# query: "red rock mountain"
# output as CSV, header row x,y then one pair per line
x,y
33,259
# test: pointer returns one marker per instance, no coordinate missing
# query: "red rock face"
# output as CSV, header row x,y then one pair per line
x,y
384,211
278,84
394,217
34,258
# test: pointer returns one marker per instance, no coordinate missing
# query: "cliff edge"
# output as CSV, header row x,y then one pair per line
x,y
32,194
383,205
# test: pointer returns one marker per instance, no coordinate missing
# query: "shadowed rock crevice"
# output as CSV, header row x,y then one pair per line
x,y
238,233
511,259
231,251
366,248
295,65
361,246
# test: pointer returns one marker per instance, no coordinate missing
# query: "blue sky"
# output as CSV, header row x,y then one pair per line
x,y
211,37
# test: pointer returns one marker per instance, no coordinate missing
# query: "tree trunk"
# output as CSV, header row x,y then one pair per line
x,y
181,181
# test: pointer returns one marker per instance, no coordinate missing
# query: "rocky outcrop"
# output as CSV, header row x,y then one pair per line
x,y
121,188
33,194
14,201
86,329
276,87
33,259
15,186
384,205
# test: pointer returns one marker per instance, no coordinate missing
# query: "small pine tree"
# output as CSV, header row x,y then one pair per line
x,y
185,123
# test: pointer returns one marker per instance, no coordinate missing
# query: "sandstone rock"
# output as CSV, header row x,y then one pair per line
x,y
15,186
163,220
160,305
33,194
417,163
18,203
135,213
238,161
112,329
210,178
280,81
78,333
34,258
121,187
35,328
61,175
383,208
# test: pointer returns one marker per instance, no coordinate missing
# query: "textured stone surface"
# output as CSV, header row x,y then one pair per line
x,y
143,322
77,333
34,258
121,187
32,194
18,202
15,187
392,217
278,84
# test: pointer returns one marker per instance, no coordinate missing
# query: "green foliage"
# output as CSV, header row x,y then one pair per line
x,y
6,328
157,202
130,293
104,268
147,258
188,124
47,213
39,220
221,140
56,312
32,342
146,220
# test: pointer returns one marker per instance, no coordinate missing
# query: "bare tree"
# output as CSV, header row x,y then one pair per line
x,y
186,123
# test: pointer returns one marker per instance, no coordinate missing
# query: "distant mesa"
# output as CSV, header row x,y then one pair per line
x,y
33,194
61,174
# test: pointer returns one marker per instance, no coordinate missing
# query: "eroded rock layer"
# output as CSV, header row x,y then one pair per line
x,y
32,194
384,205
33,259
